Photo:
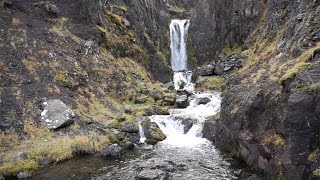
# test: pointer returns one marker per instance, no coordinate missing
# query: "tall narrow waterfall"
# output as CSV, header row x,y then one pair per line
x,y
178,37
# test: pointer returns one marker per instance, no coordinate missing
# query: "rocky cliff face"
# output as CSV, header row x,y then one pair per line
x,y
270,110
64,49
219,27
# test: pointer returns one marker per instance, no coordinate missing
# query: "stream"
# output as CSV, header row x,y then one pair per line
x,y
183,155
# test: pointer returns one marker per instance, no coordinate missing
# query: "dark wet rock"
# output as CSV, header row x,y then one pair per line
x,y
149,174
169,99
152,132
181,92
156,94
159,110
133,137
112,151
51,9
121,118
206,70
203,100
46,162
56,114
186,121
182,101
209,128
169,86
140,99
24,175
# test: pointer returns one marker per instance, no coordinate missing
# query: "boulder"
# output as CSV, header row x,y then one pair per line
x,y
203,100
56,114
112,151
156,95
140,99
130,126
158,110
169,85
182,101
24,175
152,132
206,70
152,174
209,128
169,99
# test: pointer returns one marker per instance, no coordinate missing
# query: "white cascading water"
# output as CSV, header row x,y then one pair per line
x,y
172,125
178,44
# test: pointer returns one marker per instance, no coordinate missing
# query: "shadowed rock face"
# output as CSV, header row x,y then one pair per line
x,y
216,25
270,118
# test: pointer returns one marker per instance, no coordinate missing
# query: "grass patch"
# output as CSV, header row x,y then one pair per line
x,y
2,66
293,72
115,18
213,83
61,78
229,50
122,8
31,65
8,141
314,156
316,172
54,149
314,87
16,22
276,140
90,108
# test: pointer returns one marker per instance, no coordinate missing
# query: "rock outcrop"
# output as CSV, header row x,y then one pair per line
x,y
269,114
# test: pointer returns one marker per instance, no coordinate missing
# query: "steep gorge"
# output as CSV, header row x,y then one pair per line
x,y
93,55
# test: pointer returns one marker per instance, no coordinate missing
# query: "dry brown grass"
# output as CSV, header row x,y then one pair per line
x,y
275,139
16,22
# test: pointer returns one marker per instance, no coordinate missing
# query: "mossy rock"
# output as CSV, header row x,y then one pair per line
x,y
215,83
152,132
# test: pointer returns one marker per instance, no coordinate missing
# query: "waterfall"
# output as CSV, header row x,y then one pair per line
x,y
174,126
178,45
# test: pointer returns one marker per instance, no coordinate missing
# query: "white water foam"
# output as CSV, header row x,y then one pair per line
x,y
174,129
178,45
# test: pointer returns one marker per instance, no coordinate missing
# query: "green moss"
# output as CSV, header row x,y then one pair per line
x,y
318,10
229,50
192,54
293,72
122,8
213,83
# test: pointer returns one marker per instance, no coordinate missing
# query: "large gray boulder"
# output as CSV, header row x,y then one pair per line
x,y
56,114
182,101
152,132
112,151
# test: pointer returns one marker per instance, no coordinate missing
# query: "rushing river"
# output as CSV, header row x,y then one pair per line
x,y
183,155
